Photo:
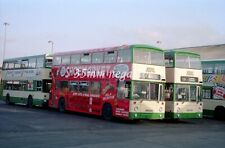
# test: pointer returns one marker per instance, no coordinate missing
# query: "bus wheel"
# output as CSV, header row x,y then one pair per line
x,y
29,101
107,112
219,113
7,99
61,105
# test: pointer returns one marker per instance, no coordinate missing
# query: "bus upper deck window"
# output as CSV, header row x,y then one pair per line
x,y
24,64
40,62
75,59
124,56
57,60
97,57
86,58
110,57
65,60
32,63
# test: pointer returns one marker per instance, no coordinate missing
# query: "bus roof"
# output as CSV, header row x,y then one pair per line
x,y
107,49
182,52
214,60
25,57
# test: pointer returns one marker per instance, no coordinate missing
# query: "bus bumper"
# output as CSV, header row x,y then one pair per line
x,y
150,116
172,115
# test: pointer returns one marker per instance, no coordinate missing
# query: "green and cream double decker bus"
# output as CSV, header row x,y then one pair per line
x,y
183,85
26,80
214,88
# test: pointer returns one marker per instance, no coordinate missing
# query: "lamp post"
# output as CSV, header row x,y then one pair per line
x,y
4,42
52,43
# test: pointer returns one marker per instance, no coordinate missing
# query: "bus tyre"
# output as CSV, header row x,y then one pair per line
x,y
61,105
107,112
7,99
219,113
29,101
45,105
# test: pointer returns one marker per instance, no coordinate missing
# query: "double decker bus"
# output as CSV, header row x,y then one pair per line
x,y
214,88
183,85
125,82
26,80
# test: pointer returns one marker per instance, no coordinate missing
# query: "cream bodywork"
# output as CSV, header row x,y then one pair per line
x,y
173,75
184,107
211,104
139,69
147,106
26,74
139,106
25,94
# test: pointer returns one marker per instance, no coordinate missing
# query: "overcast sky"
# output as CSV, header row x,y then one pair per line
x,y
85,24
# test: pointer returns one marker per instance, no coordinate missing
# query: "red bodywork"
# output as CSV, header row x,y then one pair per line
x,y
87,102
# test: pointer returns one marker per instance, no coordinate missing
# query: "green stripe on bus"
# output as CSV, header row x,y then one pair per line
x,y
18,100
172,115
146,47
146,115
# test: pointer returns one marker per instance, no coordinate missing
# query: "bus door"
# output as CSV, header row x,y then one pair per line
x,y
83,96
59,91
123,95
94,98
73,100
198,94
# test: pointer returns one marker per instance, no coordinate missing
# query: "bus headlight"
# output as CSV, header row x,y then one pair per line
x,y
136,108
160,109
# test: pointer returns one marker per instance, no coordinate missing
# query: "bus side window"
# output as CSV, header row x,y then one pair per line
x,y
32,63
39,85
75,59
95,88
123,89
17,64
84,87
110,57
74,86
5,65
47,85
124,55
86,58
10,66
97,57
65,60
64,86
24,63
57,60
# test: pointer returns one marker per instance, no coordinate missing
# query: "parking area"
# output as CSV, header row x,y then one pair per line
x,y
36,127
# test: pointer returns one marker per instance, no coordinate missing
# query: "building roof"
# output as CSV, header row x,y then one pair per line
x,y
209,52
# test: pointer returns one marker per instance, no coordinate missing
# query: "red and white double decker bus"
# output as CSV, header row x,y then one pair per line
x,y
125,82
